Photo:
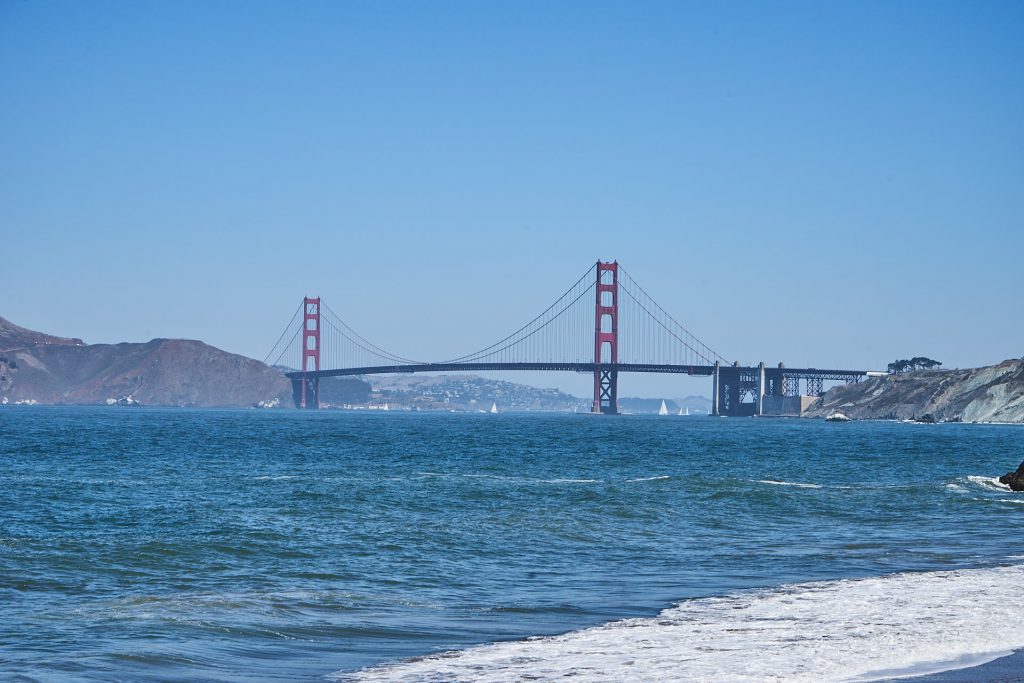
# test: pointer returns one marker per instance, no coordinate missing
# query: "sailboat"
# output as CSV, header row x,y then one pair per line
x,y
664,408
386,407
494,407
686,413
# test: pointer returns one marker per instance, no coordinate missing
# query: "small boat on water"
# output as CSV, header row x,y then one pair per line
x,y
664,408
686,413
494,407
837,417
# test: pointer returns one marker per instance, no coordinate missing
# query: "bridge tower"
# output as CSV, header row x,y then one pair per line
x,y
606,339
310,397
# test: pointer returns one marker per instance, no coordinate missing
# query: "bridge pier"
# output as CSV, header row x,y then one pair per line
x,y
760,390
731,384
716,392
306,391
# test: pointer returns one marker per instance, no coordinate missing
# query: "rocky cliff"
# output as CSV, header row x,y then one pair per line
x,y
167,372
989,394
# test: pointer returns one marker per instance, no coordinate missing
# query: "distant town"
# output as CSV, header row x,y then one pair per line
x,y
471,393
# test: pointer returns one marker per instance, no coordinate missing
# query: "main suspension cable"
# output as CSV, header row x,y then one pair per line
x,y
527,325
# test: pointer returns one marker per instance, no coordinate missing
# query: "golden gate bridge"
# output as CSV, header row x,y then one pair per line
x,y
604,324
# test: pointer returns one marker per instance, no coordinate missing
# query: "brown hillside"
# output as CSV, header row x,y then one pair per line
x,y
167,372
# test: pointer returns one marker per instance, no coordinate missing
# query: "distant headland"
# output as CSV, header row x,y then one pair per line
x,y
41,368
989,394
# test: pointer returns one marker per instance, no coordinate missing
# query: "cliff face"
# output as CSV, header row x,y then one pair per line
x,y
168,372
989,394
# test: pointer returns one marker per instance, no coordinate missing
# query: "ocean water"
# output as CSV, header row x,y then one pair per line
x,y
169,545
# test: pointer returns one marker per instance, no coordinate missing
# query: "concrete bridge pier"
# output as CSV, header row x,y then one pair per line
x,y
759,392
716,378
773,391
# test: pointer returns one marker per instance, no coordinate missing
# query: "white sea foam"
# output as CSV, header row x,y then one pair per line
x,y
777,482
991,483
664,476
845,630
278,477
530,480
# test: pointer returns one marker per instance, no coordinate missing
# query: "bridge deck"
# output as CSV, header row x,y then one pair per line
x,y
697,370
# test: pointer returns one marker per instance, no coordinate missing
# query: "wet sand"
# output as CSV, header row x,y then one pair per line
x,y
1009,669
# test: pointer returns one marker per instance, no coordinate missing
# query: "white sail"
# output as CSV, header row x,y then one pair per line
x,y
664,408
386,407
494,407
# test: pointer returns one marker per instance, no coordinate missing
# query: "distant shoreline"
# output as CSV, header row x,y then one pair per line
x,y
510,411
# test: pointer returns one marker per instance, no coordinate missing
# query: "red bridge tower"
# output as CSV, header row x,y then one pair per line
x,y
310,397
606,339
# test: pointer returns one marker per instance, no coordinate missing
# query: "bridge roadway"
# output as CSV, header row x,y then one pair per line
x,y
704,370
696,370
730,383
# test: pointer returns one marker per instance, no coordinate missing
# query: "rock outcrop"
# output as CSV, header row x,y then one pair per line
x,y
166,372
990,394
1015,479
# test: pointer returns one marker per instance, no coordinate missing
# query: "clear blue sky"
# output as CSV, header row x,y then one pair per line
x,y
827,184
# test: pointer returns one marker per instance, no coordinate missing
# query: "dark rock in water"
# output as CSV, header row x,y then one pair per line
x,y
1015,480
927,418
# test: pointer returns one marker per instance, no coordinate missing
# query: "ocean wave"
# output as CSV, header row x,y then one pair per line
x,y
991,483
778,482
844,630
532,480
658,478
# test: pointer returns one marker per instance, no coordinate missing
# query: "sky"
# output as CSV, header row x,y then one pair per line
x,y
824,184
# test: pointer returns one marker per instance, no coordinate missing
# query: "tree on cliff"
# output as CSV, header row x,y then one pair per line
x,y
916,363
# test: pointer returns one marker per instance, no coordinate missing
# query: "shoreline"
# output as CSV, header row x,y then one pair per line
x,y
1006,669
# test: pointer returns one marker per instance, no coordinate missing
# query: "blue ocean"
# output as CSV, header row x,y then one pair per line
x,y
170,545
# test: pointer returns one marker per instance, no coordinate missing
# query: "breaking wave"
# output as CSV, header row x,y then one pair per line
x,y
844,630
990,483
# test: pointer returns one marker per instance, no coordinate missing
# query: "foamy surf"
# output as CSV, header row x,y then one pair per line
x,y
845,630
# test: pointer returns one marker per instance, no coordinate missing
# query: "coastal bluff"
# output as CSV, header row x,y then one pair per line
x,y
989,394
40,368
